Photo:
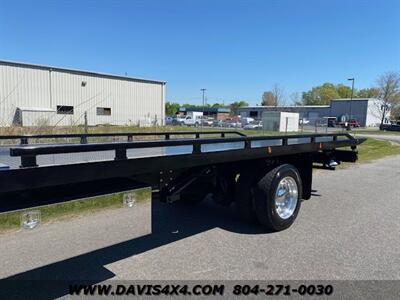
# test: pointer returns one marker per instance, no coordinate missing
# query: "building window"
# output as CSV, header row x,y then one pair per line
x,y
103,111
253,114
65,110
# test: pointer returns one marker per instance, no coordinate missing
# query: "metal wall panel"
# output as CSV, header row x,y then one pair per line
x,y
22,87
358,109
132,102
374,114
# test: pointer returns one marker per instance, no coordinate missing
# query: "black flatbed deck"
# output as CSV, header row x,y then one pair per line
x,y
121,164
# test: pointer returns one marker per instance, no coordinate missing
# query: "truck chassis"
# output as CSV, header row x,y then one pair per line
x,y
265,176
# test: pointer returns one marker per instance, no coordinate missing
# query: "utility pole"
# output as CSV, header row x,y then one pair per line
x,y
351,99
203,90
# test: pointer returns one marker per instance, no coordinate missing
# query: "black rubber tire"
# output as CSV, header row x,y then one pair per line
x,y
244,197
264,196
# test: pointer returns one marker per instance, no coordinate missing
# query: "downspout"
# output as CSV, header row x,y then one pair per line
x,y
163,104
50,92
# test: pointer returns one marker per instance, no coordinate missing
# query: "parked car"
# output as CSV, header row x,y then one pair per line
x,y
390,126
246,120
351,122
255,125
169,120
178,121
217,123
233,124
192,121
206,121
304,121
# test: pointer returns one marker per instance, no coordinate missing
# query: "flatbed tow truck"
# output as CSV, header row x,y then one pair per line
x,y
265,176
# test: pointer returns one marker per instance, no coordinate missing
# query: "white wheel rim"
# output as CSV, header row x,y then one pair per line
x,y
286,197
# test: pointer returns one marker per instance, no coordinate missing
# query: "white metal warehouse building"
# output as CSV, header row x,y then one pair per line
x,y
33,95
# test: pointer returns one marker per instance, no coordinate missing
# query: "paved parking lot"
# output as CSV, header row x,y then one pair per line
x,y
349,229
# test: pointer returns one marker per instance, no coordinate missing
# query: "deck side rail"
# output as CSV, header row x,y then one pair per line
x,y
83,137
29,153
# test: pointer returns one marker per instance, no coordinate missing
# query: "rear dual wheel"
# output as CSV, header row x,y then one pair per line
x,y
274,200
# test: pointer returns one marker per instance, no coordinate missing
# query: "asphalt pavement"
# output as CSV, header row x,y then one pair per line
x,y
349,229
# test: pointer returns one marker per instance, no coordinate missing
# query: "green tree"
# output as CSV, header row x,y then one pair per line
x,y
268,99
171,108
320,95
235,105
274,97
193,106
344,91
372,92
217,105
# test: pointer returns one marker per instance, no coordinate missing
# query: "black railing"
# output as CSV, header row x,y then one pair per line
x,y
83,137
28,153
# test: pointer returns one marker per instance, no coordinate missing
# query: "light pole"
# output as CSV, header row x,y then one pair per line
x,y
351,99
203,90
